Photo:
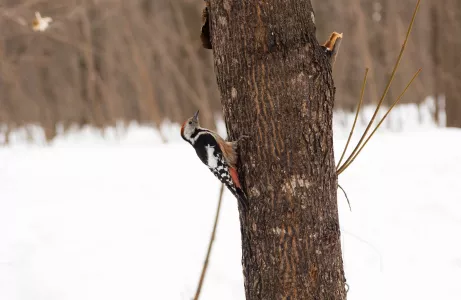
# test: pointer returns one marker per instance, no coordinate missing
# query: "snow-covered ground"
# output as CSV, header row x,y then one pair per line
x,y
122,218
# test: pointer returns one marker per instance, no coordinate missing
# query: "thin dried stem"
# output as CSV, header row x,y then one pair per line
x,y
355,119
347,198
346,165
397,63
210,246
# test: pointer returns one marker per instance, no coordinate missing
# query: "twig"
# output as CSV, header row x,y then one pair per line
x,y
347,198
355,119
397,63
210,245
345,166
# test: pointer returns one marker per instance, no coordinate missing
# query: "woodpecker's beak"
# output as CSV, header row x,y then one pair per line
x,y
196,116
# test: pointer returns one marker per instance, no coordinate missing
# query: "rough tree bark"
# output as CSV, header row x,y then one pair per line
x,y
276,87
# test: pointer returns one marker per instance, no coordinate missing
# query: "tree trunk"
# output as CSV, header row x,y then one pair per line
x,y
276,87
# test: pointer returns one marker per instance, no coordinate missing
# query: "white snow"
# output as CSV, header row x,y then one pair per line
x,y
107,217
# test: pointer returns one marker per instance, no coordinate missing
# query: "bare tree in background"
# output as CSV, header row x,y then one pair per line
x,y
446,47
374,31
276,86
100,62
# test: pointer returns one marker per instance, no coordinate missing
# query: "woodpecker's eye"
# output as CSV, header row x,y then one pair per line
x,y
190,122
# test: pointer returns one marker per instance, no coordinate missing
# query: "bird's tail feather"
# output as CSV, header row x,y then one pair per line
x,y
242,198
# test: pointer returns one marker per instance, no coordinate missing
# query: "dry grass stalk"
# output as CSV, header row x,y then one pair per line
x,y
210,246
359,145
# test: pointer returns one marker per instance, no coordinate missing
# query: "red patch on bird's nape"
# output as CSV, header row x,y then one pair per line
x,y
235,177
182,128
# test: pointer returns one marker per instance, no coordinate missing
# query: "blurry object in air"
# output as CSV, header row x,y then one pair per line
x,y
39,23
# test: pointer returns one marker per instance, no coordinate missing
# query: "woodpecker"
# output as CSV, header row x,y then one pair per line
x,y
217,154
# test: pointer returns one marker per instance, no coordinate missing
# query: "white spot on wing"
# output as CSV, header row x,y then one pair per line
x,y
211,158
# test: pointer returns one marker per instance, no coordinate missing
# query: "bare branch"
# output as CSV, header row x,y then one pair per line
x,y
347,198
346,165
397,63
355,119
210,245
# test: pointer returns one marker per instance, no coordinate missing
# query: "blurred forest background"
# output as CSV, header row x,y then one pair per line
x,y
105,61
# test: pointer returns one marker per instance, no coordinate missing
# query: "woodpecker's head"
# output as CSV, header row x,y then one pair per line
x,y
189,128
